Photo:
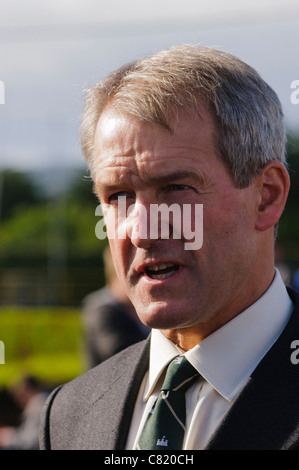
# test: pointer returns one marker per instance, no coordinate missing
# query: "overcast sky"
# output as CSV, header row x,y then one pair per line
x,y
50,50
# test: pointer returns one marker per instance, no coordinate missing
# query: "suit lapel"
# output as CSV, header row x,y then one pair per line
x,y
107,420
129,396
265,413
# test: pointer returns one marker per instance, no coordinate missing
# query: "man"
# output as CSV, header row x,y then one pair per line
x,y
191,127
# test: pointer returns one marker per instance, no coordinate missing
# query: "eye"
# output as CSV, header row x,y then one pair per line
x,y
120,194
178,187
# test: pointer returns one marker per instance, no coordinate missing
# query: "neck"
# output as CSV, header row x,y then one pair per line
x,y
188,337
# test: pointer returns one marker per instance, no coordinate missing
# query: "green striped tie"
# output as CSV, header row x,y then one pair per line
x,y
165,425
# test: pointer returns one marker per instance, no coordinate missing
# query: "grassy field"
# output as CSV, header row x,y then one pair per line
x,y
45,342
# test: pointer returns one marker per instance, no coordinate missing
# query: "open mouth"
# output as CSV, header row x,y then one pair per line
x,y
161,271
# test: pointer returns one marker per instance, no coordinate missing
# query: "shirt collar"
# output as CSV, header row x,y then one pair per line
x,y
227,357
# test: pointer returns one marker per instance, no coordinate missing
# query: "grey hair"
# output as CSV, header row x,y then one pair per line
x,y
249,123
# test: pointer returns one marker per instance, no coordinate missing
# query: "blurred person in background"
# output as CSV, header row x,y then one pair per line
x,y
30,396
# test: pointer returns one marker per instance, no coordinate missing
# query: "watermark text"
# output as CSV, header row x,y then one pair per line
x,y
295,354
295,94
160,221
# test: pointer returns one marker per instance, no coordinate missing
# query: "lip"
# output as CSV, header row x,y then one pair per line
x,y
142,274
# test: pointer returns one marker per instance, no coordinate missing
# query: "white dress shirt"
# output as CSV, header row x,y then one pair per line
x,y
224,360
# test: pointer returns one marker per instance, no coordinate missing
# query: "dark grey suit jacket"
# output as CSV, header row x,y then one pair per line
x,y
94,411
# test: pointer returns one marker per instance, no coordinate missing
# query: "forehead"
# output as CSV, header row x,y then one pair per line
x,y
123,143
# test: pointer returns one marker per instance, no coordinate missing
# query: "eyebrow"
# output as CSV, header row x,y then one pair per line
x,y
177,175
195,178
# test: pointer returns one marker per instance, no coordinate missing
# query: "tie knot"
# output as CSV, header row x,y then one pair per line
x,y
180,374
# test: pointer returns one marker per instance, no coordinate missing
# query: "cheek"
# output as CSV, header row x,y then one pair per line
x,y
227,231
120,255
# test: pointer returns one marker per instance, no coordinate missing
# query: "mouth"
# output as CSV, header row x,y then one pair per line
x,y
160,270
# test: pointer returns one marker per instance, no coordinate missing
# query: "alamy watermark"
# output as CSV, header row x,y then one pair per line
x,y
2,92
2,353
161,221
295,354
295,94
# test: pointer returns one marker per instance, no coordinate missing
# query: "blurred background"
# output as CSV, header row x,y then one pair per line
x,y
50,258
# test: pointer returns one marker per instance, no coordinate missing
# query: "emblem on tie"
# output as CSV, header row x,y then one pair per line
x,y
178,360
162,442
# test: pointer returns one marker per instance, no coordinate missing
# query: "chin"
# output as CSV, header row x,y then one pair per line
x,y
162,316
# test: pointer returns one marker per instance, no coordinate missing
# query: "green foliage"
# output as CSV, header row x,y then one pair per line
x,y
293,162
57,227
25,233
16,190
56,239
44,342
81,224
80,190
289,223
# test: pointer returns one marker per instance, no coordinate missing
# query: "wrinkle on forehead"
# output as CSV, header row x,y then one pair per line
x,y
125,144
112,124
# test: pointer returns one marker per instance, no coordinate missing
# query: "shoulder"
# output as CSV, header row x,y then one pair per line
x,y
90,395
103,375
294,294
294,320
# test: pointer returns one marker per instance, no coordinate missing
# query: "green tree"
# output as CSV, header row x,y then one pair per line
x,y
289,223
17,189
80,190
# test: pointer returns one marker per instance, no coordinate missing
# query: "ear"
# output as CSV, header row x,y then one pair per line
x,y
274,185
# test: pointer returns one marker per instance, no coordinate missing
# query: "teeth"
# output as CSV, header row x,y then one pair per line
x,y
160,276
157,267
155,271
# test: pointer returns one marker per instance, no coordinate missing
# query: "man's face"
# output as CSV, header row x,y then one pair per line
x,y
170,286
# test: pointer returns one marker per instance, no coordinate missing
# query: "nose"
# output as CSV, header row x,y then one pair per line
x,y
139,224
